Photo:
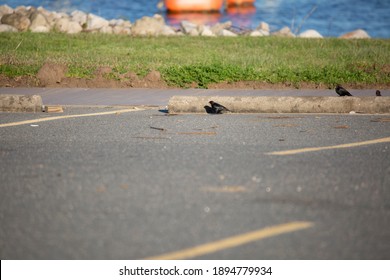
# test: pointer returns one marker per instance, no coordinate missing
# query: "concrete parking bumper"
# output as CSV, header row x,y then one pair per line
x,y
282,104
20,103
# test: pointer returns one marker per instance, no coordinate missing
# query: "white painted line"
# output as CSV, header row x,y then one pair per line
x,y
70,116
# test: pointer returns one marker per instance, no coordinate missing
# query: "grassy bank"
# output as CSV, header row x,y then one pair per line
x,y
189,61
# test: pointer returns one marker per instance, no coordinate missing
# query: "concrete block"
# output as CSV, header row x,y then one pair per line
x,y
20,103
282,104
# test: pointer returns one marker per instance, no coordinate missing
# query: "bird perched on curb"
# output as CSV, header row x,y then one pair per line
x,y
218,108
342,91
378,93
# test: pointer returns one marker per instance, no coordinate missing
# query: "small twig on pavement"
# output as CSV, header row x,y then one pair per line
x,y
158,128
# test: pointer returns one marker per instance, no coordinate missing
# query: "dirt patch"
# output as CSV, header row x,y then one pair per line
x,y
151,80
21,81
301,85
51,74
97,82
386,68
264,85
102,71
55,75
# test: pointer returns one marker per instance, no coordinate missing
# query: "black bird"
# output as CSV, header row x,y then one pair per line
x,y
209,110
378,93
218,108
342,91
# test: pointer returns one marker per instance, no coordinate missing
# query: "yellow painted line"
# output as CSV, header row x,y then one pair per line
x,y
233,241
69,117
342,146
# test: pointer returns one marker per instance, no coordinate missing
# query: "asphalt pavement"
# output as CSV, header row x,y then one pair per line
x,y
157,97
113,183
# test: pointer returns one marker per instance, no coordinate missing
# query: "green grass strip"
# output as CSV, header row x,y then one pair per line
x,y
188,61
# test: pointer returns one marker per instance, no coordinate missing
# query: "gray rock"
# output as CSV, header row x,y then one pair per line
x,y
7,28
189,27
17,20
356,34
217,28
40,29
311,33
60,15
74,27
168,31
193,32
263,26
23,10
5,10
120,22
148,26
116,22
62,24
106,29
121,30
67,26
39,22
259,33
26,11
284,32
79,16
206,31
227,33
51,17
44,12
95,22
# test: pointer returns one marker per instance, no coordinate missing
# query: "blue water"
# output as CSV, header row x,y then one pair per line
x,y
329,17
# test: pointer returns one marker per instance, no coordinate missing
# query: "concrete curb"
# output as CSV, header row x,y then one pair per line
x,y
285,104
20,103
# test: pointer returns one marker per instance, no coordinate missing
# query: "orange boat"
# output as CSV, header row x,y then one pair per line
x,y
232,3
241,10
198,18
185,6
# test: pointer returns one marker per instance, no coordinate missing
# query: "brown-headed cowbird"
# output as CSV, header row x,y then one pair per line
x,y
342,91
218,108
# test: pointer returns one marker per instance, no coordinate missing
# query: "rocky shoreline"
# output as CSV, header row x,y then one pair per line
x,y
41,20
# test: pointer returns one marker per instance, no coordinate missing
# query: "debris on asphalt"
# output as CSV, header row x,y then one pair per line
x,y
341,127
150,137
158,128
198,133
52,109
279,117
285,125
381,120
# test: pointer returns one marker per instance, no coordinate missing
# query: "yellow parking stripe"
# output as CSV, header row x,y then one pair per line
x,y
342,146
70,116
233,241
